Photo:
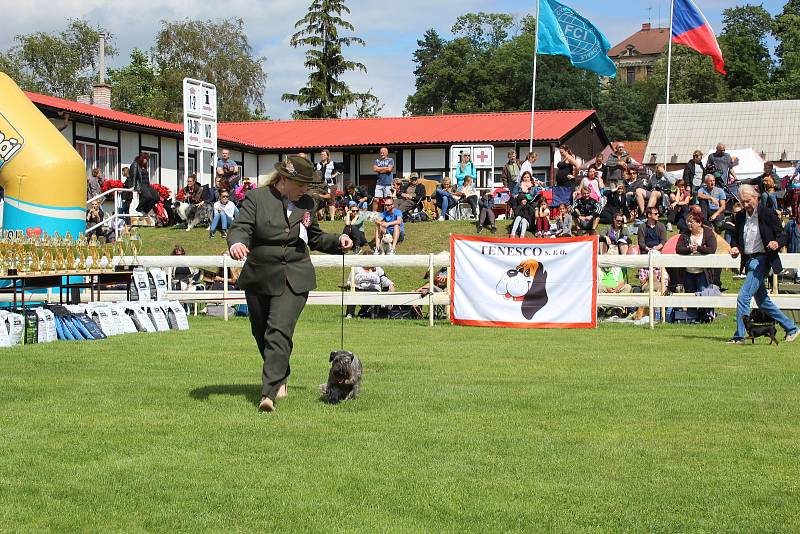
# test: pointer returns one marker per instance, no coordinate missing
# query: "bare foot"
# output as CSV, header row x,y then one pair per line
x,y
266,405
283,392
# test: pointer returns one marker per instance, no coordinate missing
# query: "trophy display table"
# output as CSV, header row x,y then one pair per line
x,y
95,281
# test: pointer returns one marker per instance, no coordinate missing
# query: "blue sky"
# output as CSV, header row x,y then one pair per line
x,y
390,30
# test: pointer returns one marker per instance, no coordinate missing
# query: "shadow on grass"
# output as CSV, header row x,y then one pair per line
x,y
252,392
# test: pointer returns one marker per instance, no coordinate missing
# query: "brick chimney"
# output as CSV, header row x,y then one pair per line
x,y
645,26
101,91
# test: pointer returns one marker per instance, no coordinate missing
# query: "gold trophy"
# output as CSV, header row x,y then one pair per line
x,y
135,243
108,255
119,252
94,254
70,261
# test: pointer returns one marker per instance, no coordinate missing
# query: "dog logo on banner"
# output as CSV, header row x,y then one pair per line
x,y
526,283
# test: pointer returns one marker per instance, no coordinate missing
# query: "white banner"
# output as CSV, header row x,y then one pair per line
x,y
524,283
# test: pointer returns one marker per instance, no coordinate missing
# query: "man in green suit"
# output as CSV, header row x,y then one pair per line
x,y
275,228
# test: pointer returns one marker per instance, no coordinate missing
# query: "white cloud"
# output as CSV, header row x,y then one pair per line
x,y
390,31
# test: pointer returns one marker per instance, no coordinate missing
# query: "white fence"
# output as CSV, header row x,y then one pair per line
x,y
652,299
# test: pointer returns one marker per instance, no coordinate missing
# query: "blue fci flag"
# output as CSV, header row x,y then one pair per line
x,y
563,32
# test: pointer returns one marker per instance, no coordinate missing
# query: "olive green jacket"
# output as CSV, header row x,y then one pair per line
x,y
278,256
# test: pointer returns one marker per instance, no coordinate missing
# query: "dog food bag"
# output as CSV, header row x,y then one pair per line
x,y
176,316
159,283
125,324
107,322
140,318
140,286
15,326
47,326
157,316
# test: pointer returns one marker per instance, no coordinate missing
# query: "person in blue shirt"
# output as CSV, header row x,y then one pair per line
x,y
228,170
712,201
384,168
391,223
465,168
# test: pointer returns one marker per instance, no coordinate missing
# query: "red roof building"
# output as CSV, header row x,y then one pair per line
x,y
636,55
110,139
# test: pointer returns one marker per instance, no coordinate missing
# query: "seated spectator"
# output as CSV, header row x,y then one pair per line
x,y
729,227
238,195
411,195
94,215
224,213
486,218
792,230
652,235
439,285
615,202
644,278
593,183
647,194
355,194
767,183
94,184
526,183
586,213
712,201
523,216
183,278
612,280
632,183
467,193
562,225
354,226
542,215
696,240
369,278
444,198
679,205
391,223
599,167
616,236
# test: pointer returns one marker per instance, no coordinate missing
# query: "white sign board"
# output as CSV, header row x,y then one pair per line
x,y
482,156
199,122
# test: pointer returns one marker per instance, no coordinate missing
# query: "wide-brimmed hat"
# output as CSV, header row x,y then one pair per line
x,y
299,169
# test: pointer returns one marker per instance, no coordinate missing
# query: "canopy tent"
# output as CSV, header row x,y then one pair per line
x,y
751,165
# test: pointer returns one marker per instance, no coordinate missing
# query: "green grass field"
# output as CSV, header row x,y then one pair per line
x,y
457,429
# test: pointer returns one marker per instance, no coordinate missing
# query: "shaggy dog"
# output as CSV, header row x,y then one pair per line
x,y
190,213
344,378
526,283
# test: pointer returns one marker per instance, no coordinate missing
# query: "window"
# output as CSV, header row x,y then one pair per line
x,y
192,169
153,167
108,161
631,75
88,155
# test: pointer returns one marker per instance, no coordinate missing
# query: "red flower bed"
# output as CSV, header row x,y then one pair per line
x,y
163,192
111,184
181,196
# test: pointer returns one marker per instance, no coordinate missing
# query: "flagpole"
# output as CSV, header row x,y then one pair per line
x,y
533,89
669,73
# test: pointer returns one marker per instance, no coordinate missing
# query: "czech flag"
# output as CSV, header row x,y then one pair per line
x,y
690,28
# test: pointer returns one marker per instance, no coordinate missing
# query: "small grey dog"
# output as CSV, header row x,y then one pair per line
x,y
344,378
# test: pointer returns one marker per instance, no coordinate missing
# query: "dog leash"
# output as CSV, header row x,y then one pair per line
x,y
341,311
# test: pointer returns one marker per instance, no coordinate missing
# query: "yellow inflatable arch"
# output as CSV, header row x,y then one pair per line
x,y
43,176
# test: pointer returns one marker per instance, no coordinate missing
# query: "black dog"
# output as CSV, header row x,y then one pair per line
x,y
755,330
344,378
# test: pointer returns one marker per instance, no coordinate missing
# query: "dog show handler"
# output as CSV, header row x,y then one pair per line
x,y
273,232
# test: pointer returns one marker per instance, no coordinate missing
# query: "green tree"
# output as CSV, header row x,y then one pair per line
x,y
325,95
490,70
62,64
214,51
744,46
136,88
484,30
786,77
625,110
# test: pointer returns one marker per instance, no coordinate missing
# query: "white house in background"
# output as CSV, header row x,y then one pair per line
x,y
111,139
770,128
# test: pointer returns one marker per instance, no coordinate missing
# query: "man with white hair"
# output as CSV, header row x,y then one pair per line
x,y
758,237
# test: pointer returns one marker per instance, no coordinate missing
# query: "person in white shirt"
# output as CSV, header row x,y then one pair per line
x,y
224,213
369,278
527,166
